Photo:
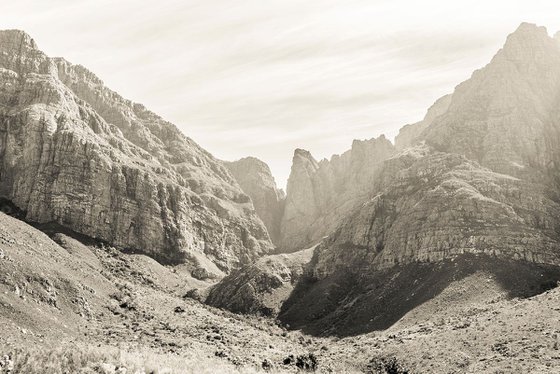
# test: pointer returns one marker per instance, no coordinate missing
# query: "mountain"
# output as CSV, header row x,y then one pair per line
x,y
320,194
262,287
472,187
409,134
449,241
505,116
256,180
76,154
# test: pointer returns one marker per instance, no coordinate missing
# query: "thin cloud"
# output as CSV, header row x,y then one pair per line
x,y
261,78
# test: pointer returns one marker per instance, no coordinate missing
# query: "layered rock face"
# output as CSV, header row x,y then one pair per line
x,y
321,194
256,180
78,154
433,205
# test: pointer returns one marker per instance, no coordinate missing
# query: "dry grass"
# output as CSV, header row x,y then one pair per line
x,y
106,359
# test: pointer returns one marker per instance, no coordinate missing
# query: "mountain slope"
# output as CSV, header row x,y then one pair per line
x,y
76,153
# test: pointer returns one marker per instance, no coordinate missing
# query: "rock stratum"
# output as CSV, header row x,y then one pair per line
x,y
75,153
474,183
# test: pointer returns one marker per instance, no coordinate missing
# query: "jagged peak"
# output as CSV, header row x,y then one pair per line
x,y
251,162
304,158
526,39
14,36
530,28
381,139
300,152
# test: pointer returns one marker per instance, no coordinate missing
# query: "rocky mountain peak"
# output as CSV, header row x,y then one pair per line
x,y
302,155
529,43
499,116
256,180
303,164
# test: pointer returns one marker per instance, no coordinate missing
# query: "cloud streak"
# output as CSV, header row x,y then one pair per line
x,y
261,78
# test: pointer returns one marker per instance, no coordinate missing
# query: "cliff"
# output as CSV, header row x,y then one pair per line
x,y
320,194
77,154
256,180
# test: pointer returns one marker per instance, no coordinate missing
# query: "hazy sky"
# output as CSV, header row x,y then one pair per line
x,y
263,77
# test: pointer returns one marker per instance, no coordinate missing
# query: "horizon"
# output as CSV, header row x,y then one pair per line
x,y
261,80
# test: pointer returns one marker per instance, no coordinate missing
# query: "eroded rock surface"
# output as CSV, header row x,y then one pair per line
x,y
78,154
433,205
256,180
321,194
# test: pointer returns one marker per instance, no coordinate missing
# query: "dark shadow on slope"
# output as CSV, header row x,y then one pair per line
x,y
9,208
346,304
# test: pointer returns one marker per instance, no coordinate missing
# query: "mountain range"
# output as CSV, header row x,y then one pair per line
x,y
117,214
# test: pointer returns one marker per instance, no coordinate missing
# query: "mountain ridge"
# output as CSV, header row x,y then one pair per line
x,y
478,176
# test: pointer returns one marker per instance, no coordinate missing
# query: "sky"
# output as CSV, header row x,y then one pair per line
x,y
263,77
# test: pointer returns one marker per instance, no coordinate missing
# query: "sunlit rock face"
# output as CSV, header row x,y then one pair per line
x,y
506,115
75,153
482,178
256,180
433,205
409,134
321,194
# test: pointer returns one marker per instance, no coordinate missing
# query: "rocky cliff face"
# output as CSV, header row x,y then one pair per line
x,y
505,116
320,194
256,180
432,205
78,154
484,181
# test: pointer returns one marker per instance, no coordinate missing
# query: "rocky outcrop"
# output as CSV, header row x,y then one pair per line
x,y
321,194
433,205
482,181
262,287
78,154
256,180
